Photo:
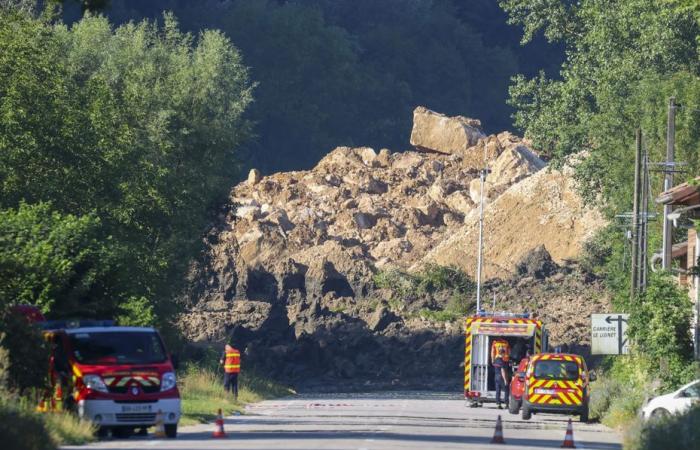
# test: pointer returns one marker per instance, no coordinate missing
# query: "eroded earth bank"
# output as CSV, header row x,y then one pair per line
x,y
357,273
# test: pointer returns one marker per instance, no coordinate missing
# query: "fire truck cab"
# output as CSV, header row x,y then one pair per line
x,y
120,378
524,335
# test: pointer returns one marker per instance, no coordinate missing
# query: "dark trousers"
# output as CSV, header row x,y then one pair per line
x,y
231,384
501,385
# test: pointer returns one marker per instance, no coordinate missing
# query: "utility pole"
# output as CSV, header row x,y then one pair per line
x,y
644,228
634,282
479,263
668,184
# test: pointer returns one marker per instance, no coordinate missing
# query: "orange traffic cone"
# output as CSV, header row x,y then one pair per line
x,y
219,431
569,438
498,434
160,425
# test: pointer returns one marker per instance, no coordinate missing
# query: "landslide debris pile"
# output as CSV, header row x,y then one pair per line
x,y
290,265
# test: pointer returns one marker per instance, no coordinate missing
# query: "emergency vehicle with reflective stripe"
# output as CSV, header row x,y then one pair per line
x,y
483,329
556,382
107,390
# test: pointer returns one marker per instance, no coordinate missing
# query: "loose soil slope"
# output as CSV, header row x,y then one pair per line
x,y
289,268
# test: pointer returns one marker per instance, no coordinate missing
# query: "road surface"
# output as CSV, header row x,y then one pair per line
x,y
376,421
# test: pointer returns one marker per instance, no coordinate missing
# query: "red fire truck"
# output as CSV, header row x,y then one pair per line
x,y
524,335
120,378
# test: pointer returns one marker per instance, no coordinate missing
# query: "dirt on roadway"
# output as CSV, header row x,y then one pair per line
x,y
374,421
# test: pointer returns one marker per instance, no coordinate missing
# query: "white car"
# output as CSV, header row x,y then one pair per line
x,y
675,402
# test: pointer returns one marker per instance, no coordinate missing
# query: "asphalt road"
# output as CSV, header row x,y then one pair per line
x,y
396,420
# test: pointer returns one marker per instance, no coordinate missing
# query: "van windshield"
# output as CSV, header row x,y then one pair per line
x,y
117,347
556,370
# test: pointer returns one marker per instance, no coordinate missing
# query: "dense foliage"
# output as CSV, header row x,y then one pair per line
x,y
128,135
57,262
677,432
624,59
350,72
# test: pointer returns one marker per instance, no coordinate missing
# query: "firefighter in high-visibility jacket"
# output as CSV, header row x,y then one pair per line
x,y
231,360
496,347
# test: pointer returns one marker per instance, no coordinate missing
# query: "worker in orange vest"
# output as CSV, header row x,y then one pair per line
x,y
496,346
231,360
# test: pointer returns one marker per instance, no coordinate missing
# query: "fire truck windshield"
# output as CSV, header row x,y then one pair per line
x,y
117,347
556,370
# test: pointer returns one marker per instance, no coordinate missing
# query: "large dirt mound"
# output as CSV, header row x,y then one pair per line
x,y
542,210
289,267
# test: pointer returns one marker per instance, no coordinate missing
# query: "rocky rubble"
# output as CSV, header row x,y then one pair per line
x,y
541,210
289,266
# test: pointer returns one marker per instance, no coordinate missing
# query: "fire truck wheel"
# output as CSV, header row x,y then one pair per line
x,y
513,405
171,430
526,413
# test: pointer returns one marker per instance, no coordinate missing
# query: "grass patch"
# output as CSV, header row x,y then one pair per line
x,y
202,393
431,281
439,316
22,428
619,392
68,429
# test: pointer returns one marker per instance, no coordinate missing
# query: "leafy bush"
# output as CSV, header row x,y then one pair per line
x,y
131,134
137,312
58,262
435,278
660,328
439,316
400,283
677,432
19,339
23,430
604,392
460,304
621,390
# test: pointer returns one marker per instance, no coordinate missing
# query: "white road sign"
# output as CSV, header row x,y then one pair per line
x,y
609,334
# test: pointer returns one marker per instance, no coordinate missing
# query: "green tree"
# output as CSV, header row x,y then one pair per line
x,y
58,262
350,72
624,59
136,125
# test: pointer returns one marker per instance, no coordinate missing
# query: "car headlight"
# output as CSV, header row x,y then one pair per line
x,y
168,381
95,383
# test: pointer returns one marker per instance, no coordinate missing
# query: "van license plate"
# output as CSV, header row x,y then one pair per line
x,y
136,408
545,391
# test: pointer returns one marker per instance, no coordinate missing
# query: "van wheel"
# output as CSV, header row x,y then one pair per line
x,y
583,416
171,430
122,432
513,405
526,413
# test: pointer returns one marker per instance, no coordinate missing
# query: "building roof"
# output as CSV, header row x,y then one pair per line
x,y
684,194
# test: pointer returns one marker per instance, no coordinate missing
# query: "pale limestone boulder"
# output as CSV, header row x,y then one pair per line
x,y
460,201
439,133
254,177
